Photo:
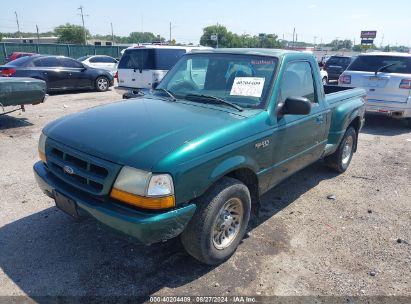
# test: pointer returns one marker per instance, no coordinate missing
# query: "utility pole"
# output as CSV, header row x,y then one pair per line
x,y
38,35
82,20
293,37
18,25
112,33
170,34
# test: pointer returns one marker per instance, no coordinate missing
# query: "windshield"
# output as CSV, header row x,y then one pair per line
x,y
371,63
243,80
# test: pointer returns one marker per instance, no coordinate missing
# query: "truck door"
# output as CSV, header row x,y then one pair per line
x,y
301,138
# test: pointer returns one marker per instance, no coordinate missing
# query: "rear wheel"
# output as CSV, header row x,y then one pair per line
x,y
341,159
219,223
102,84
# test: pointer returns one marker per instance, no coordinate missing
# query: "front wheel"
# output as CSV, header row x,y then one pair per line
x,y
340,159
102,84
219,223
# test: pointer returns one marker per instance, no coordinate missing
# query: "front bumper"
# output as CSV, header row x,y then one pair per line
x,y
147,228
128,92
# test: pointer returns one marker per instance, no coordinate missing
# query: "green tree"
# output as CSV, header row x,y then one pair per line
x,y
221,31
357,48
232,40
146,37
1,36
71,33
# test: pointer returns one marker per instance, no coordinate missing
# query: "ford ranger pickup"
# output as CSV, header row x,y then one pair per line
x,y
193,158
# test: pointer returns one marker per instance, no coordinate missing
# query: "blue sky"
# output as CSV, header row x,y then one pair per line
x,y
324,19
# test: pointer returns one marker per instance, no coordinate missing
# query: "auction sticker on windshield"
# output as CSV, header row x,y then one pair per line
x,y
248,86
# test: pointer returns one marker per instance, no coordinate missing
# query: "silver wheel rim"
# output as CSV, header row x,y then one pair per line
x,y
347,150
102,84
228,223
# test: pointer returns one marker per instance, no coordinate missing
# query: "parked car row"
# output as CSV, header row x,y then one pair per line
x,y
60,73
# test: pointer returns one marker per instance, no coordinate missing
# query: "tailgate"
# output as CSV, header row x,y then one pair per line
x,y
382,87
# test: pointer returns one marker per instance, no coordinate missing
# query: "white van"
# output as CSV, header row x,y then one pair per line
x,y
141,66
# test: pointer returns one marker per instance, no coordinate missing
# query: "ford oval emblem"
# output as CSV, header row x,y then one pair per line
x,y
68,170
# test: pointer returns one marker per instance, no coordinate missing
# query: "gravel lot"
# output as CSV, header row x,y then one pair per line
x,y
301,243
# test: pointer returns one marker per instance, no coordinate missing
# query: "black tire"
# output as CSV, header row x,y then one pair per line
x,y
339,161
198,238
102,84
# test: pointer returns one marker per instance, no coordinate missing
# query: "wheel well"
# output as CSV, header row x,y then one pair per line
x,y
356,123
249,178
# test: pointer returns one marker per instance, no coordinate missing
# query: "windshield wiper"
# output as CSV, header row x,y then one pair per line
x,y
167,92
384,67
212,99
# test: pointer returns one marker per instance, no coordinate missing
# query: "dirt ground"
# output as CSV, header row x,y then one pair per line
x,y
301,243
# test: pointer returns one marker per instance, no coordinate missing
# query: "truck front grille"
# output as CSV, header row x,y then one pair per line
x,y
80,170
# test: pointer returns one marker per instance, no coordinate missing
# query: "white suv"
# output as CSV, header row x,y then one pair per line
x,y
387,80
142,66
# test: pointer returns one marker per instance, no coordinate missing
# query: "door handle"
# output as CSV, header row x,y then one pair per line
x,y
319,119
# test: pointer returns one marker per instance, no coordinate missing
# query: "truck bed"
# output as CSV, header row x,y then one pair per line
x,y
18,91
335,94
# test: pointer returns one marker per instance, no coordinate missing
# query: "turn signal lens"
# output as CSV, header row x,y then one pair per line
x,y
345,79
155,203
42,147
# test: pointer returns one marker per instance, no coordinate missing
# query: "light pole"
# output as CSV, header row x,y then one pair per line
x,y
82,20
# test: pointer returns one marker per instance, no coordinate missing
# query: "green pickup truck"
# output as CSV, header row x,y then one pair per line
x,y
193,158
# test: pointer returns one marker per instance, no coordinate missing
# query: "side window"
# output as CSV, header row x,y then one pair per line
x,y
298,81
199,68
167,58
109,60
70,63
96,59
49,62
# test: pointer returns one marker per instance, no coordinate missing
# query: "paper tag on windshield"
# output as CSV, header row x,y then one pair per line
x,y
248,86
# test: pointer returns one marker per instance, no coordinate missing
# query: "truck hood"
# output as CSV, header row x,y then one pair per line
x,y
138,132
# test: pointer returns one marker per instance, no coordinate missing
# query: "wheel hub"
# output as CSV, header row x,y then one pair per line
x,y
347,150
228,223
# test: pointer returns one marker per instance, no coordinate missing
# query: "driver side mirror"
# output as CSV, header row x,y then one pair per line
x,y
295,106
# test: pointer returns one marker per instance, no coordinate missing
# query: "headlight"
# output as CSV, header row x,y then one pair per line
x,y
144,189
42,147
132,181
